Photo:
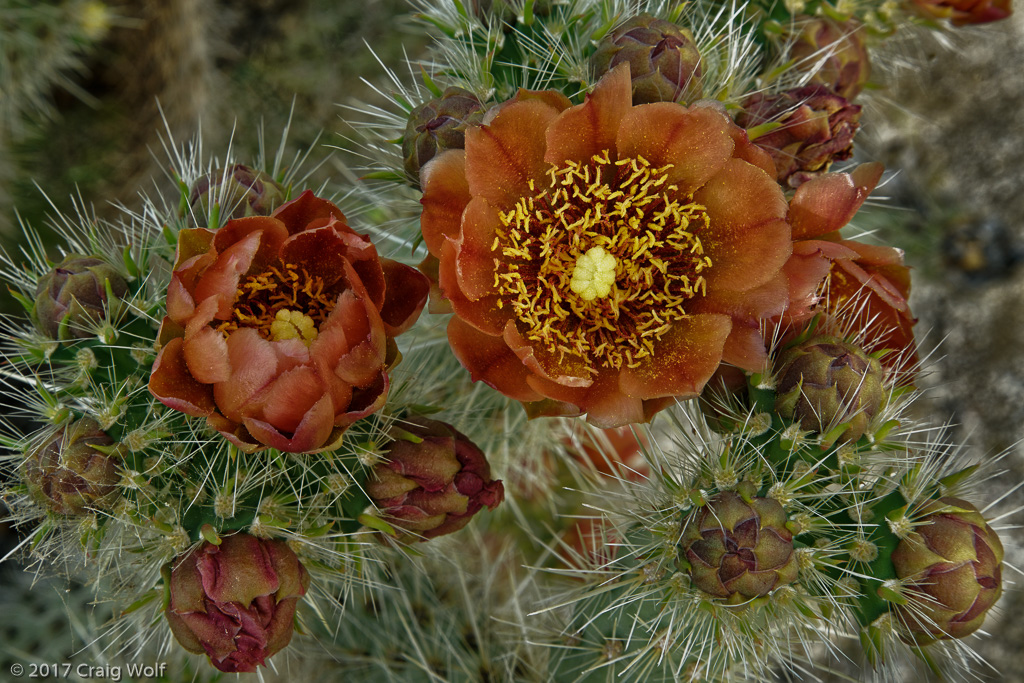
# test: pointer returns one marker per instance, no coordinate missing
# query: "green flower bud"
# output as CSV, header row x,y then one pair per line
x,y
663,59
439,125
826,382
239,191
952,566
738,550
68,475
72,297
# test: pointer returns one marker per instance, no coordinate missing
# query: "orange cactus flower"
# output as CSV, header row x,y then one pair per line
x,y
279,329
604,258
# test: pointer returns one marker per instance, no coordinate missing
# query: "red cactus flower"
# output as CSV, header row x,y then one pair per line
x,y
279,329
965,12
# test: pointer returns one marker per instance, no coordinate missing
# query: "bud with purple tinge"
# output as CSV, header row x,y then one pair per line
x,y
73,297
738,550
835,52
433,480
439,125
815,128
826,382
663,59
239,191
965,12
952,564
68,475
235,602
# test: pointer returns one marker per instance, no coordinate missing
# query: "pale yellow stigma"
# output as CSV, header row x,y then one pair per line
x,y
293,325
594,274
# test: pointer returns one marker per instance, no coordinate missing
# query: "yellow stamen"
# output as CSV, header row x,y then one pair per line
x,y
594,274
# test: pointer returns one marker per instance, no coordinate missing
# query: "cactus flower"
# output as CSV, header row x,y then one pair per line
x,y
434,482
72,298
235,601
834,52
738,550
965,12
67,474
952,562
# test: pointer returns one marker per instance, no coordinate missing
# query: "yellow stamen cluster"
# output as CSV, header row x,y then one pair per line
x,y
283,302
598,265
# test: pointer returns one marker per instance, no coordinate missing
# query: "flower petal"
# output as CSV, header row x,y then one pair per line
x,y
683,361
206,354
474,259
503,157
405,295
253,366
305,209
695,141
590,128
284,402
173,386
490,360
570,371
312,433
604,403
270,233
483,313
445,196
220,281
826,203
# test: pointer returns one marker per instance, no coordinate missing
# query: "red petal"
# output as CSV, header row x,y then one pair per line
x,y
695,141
180,305
284,402
312,434
220,281
405,294
503,157
603,401
445,196
489,360
305,209
173,386
826,203
253,366
683,361
270,232
590,128
568,371
321,253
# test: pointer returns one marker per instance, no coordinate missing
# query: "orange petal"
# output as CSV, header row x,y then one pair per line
x,y
749,261
489,360
173,386
826,203
180,304
483,313
206,354
319,252
445,196
590,128
474,259
568,371
503,157
220,281
604,403
695,141
683,361
284,402
405,294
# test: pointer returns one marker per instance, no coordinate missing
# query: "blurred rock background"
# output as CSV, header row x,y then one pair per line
x,y
948,115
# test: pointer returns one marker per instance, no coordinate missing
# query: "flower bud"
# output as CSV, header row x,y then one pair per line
x,y
825,382
239,191
738,550
433,480
235,601
72,297
952,564
816,127
835,51
439,125
663,59
68,475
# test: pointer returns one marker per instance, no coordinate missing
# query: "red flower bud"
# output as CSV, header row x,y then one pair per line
x,y
433,483
235,601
